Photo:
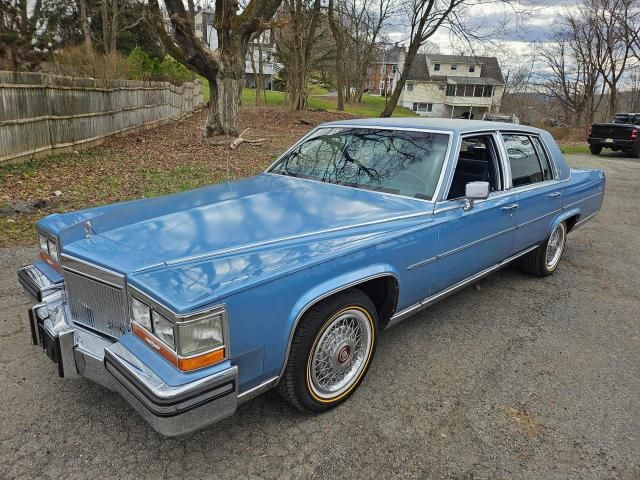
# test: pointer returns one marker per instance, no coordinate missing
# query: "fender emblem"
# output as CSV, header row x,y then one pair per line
x,y
87,229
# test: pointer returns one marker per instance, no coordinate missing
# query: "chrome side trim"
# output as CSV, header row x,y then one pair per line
x,y
459,249
322,297
73,264
475,242
407,312
422,263
583,199
538,218
257,390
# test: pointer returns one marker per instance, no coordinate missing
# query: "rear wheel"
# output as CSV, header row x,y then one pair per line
x,y
595,149
544,260
331,351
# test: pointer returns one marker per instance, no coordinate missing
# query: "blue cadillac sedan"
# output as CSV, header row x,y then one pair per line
x,y
189,304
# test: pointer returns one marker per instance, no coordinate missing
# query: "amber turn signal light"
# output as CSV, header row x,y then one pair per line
x,y
199,361
185,364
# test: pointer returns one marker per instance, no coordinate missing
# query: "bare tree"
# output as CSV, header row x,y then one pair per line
x,y
298,40
608,22
224,67
425,18
19,21
84,25
338,38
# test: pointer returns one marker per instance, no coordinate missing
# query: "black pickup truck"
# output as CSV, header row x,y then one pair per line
x,y
623,133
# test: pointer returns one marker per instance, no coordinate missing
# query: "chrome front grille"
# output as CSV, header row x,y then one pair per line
x,y
96,305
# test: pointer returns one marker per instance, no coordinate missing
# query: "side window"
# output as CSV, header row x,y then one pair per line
x,y
477,162
525,166
547,170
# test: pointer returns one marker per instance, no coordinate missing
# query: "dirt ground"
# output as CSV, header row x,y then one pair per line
x,y
171,158
519,377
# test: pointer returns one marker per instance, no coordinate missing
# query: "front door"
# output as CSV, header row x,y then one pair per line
x,y
472,240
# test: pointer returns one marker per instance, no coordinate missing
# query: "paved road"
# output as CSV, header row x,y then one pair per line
x,y
516,378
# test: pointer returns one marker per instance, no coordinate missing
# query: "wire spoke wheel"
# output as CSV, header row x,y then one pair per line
x,y
555,246
340,354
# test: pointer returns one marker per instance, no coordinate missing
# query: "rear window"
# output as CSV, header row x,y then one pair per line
x,y
625,118
523,160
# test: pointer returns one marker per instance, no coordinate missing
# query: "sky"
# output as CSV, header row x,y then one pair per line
x,y
533,22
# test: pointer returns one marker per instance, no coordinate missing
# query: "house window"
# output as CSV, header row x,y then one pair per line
x,y
383,68
381,86
451,90
409,86
198,27
472,68
488,91
422,107
454,67
394,69
436,67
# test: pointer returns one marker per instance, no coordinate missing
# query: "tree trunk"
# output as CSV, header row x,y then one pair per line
x,y
192,15
337,36
114,26
225,91
104,16
397,90
86,32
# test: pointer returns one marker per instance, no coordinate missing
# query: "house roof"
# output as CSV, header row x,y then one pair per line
x,y
389,56
490,73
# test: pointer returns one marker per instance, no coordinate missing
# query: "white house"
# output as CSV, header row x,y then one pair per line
x,y
453,86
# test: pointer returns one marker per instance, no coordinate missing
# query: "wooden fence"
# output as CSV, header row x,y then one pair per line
x,y
41,113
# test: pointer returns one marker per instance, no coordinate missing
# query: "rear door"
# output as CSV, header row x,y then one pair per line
x,y
534,181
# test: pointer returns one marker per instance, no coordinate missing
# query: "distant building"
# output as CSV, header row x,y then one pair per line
x,y
453,86
382,71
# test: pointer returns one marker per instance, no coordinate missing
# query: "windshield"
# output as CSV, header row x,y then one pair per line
x,y
393,161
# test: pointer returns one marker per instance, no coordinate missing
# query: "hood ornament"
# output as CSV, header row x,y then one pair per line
x,y
87,229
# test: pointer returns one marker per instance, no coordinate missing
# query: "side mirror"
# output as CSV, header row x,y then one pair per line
x,y
475,191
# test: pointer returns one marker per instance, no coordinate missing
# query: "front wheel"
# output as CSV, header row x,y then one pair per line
x,y
331,351
544,260
595,149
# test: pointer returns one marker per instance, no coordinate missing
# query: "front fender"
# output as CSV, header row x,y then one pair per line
x,y
336,284
331,286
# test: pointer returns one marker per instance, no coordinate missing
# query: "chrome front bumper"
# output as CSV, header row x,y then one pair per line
x,y
171,409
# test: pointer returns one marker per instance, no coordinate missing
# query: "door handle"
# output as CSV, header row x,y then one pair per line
x,y
555,194
510,207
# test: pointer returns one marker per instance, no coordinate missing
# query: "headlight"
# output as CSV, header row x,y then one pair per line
x,y
189,343
42,240
140,313
163,329
53,250
197,336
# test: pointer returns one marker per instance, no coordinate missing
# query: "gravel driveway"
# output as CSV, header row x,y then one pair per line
x,y
517,377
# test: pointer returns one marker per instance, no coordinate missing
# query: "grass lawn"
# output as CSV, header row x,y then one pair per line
x,y
372,106
571,148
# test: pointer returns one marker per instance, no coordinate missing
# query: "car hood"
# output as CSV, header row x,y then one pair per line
x,y
259,211
187,248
